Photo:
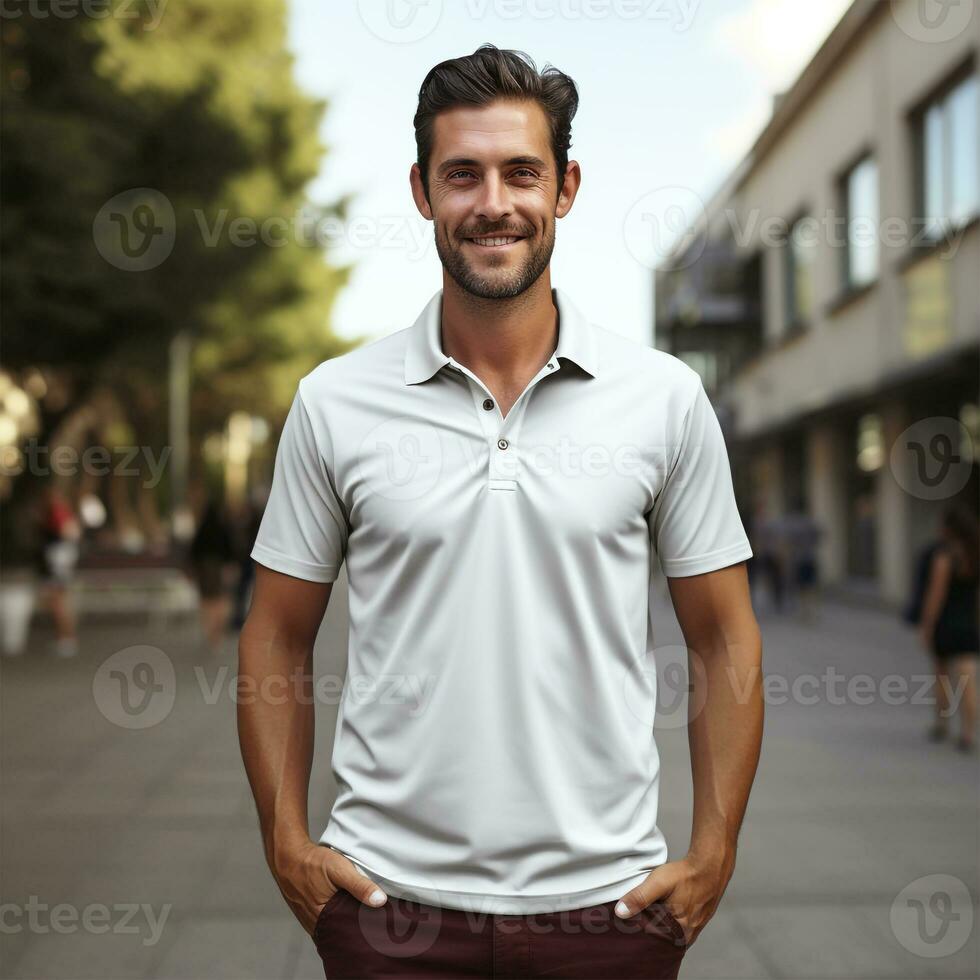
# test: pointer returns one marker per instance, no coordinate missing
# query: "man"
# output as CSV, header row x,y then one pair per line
x,y
497,477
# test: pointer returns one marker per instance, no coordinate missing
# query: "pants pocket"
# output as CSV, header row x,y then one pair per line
x,y
332,902
663,922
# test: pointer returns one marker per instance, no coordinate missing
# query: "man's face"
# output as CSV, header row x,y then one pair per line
x,y
494,196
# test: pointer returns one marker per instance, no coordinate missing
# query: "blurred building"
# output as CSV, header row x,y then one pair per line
x,y
829,295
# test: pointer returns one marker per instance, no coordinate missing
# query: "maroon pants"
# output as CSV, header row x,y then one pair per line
x,y
412,939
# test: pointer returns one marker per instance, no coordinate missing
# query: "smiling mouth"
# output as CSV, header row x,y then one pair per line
x,y
498,241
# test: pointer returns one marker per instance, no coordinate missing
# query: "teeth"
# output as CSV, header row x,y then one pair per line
x,y
494,241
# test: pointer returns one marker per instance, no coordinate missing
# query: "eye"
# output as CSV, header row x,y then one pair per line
x,y
455,172
524,170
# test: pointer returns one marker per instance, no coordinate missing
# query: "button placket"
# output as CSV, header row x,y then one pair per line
x,y
501,432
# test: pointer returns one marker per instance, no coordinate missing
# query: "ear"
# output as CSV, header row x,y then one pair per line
x,y
418,192
569,188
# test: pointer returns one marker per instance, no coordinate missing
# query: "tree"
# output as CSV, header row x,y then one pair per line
x,y
200,109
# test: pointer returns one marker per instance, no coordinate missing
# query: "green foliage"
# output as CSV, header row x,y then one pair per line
x,y
202,107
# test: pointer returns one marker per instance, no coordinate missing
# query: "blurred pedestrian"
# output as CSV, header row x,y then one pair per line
x,y
211,550
769,557
950,622
60,533
246,531
802,536
912,613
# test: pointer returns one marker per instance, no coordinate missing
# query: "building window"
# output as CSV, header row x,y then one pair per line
x,y
800,249
705,363
949,157
861,245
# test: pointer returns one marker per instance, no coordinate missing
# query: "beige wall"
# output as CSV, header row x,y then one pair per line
x,y
826,471
863,104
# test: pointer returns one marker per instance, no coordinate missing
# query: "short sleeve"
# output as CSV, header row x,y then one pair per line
x,y
304,528
694,524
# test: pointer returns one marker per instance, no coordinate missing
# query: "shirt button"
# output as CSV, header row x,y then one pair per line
x,y
502,443
551,367
488,403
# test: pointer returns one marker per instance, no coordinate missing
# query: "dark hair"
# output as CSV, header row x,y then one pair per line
x,y
489,74
961,524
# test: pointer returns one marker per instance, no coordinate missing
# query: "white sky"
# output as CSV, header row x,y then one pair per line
x,y
670,99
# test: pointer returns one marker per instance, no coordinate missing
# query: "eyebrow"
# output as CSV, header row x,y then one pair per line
x,y
528,161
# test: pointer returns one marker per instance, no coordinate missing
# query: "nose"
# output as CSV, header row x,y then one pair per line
x,y
494,199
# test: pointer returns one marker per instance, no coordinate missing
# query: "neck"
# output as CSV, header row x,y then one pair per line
x,y
499,338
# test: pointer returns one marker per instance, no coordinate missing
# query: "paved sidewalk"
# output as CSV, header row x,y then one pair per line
x,y
149,835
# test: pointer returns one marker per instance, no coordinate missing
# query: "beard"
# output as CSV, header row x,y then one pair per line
x,y
502,281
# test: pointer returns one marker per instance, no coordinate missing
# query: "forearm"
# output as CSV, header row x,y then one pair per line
x,y
725,736
275,732
937,587
931,608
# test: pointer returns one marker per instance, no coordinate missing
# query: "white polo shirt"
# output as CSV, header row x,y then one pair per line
x,y
494,748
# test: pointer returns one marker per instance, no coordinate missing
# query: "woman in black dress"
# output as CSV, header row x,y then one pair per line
x,y
211,550
950,625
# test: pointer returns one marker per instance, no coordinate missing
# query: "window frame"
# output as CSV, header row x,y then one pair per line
x,y
795,323
850,285
937,99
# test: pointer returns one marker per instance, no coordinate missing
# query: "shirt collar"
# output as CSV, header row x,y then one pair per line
x,y
424,356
